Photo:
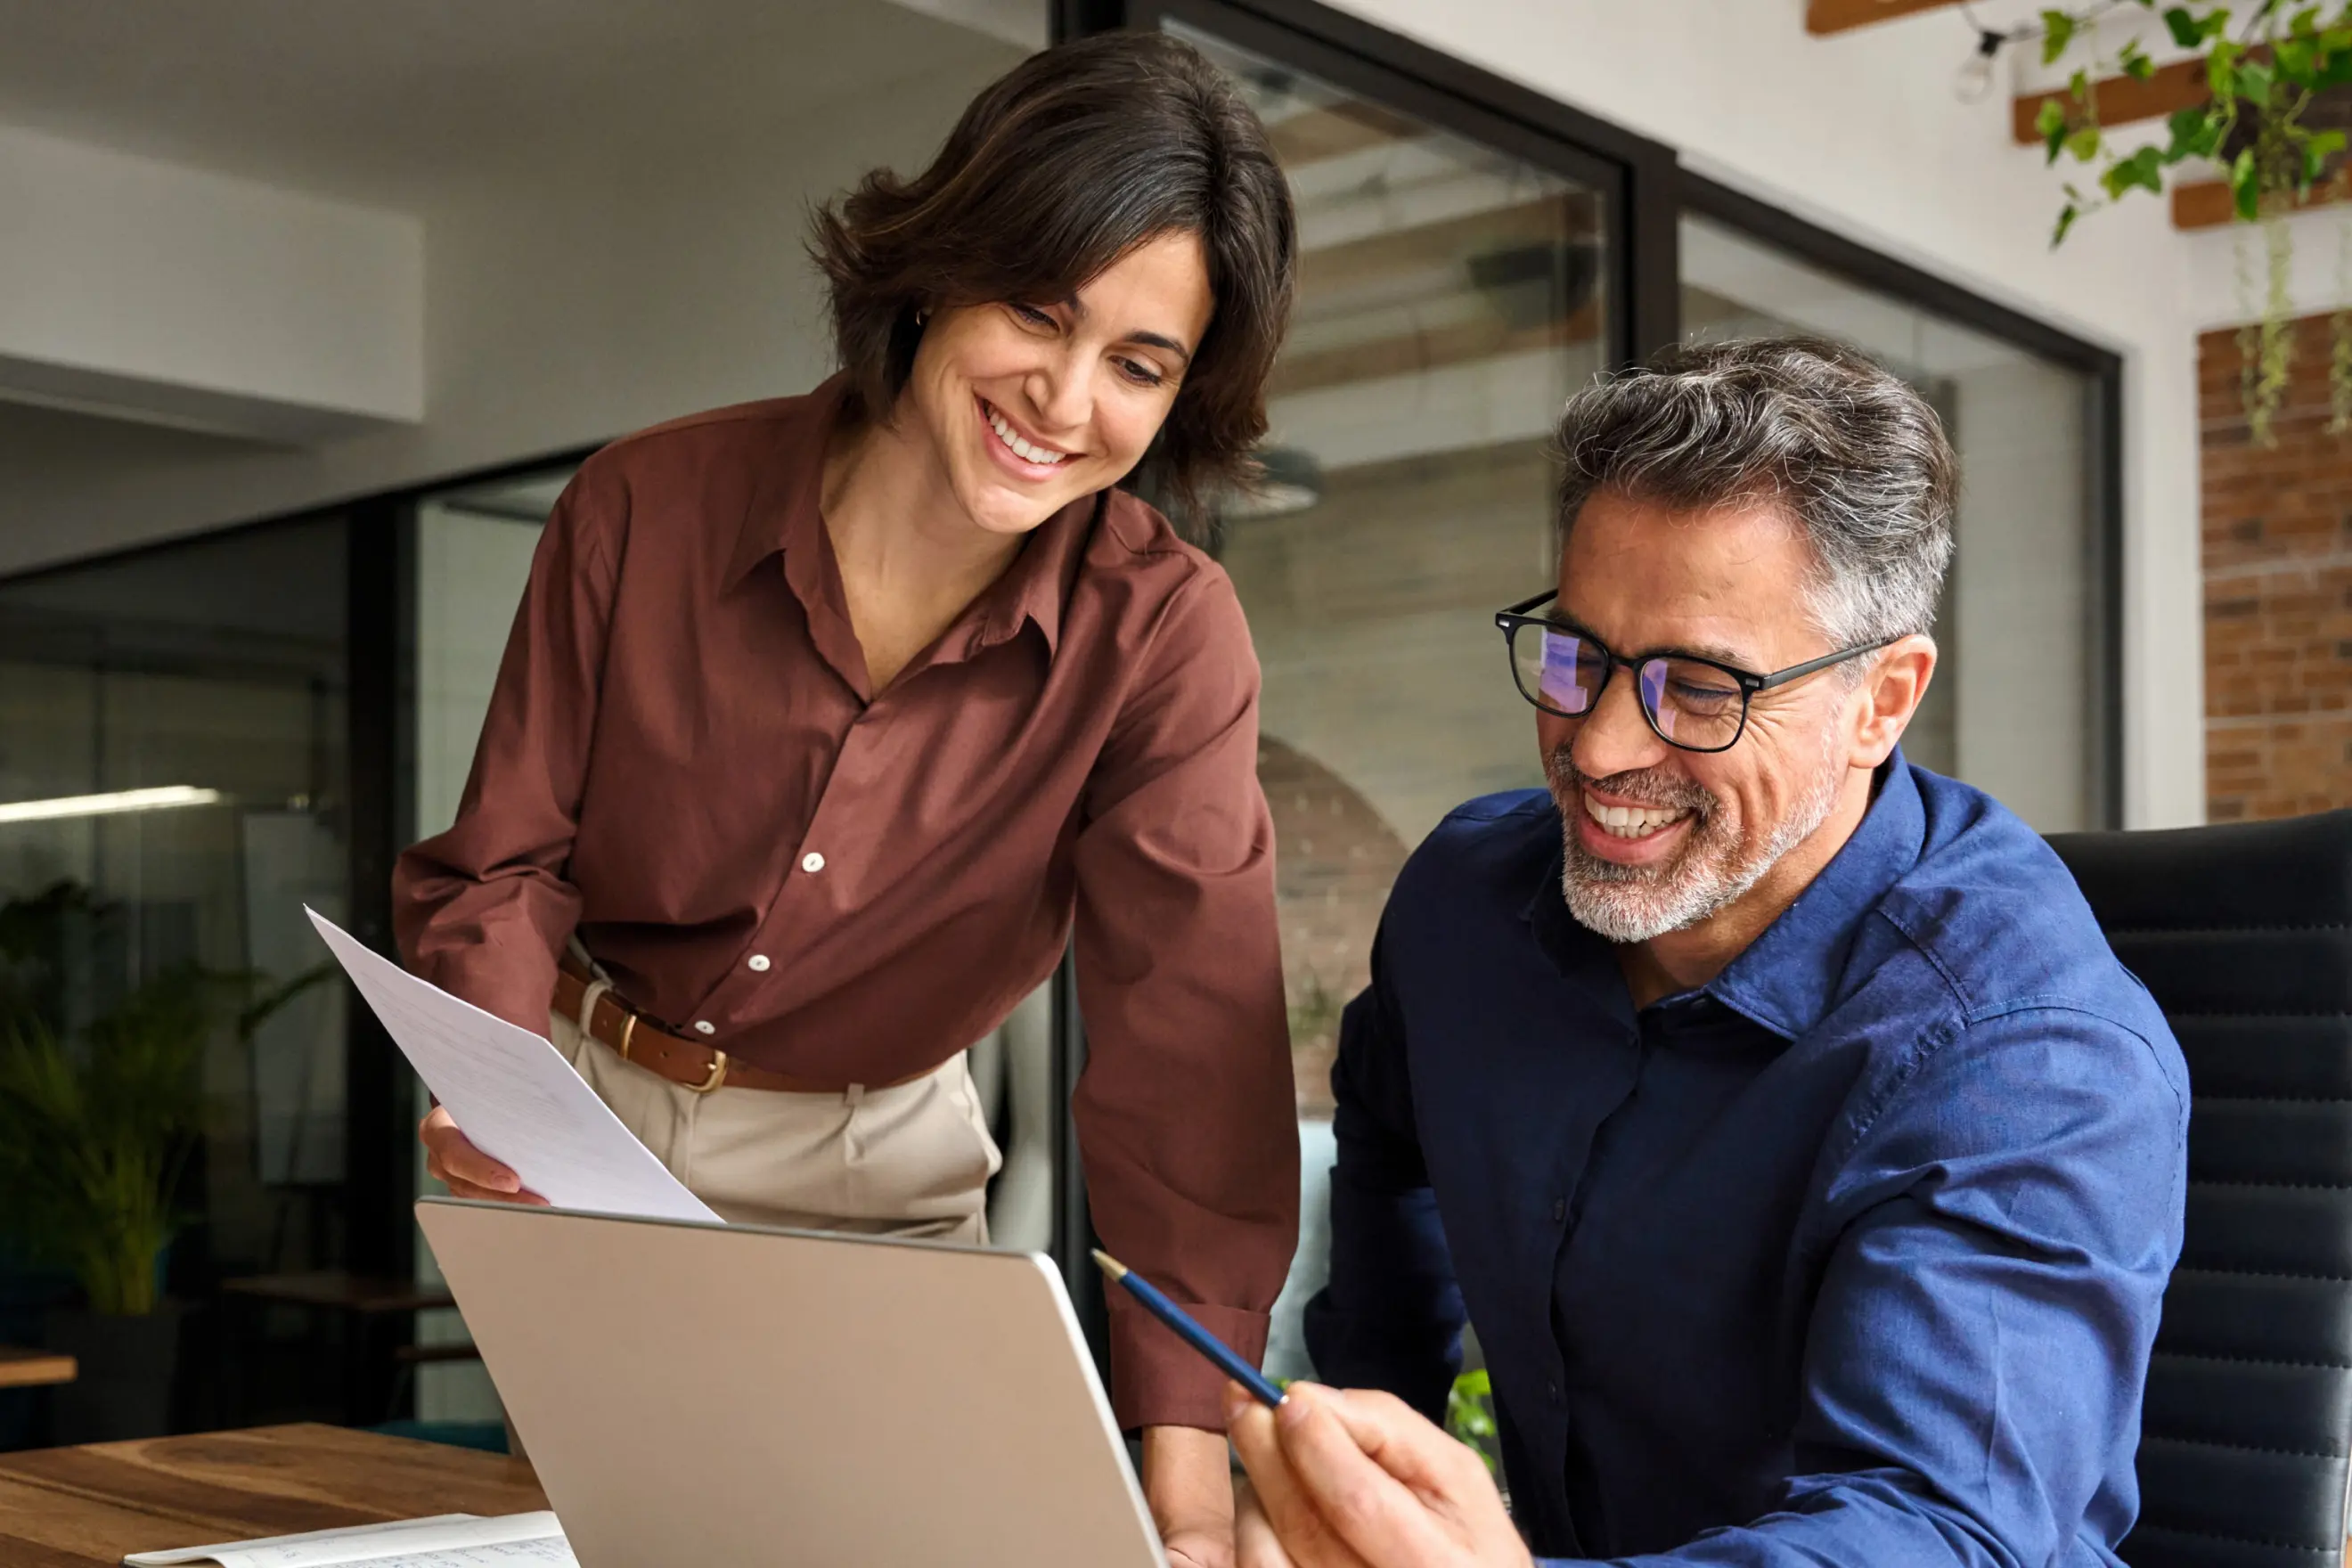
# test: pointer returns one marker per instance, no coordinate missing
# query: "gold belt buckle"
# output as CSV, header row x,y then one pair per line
x,y
717,1074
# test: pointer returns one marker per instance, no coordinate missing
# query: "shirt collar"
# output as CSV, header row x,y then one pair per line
x,y
785,508
786,517
1787,979
1035,588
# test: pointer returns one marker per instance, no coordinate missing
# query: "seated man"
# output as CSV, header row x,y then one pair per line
x,y
1774,1108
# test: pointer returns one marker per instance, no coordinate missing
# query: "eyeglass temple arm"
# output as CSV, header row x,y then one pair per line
x,y
1524,606
1799,671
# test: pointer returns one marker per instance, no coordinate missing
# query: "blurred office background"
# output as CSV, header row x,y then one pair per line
x,y
327,302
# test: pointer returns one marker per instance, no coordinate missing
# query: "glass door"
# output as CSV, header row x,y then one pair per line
x,y
1452,296
2021,705
173,788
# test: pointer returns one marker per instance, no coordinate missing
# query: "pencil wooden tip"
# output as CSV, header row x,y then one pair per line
x,y
1109,1265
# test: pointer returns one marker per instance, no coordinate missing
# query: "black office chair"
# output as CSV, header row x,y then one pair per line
x,y
2243,933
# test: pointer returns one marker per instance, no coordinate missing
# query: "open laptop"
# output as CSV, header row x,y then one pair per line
x,y
717,1394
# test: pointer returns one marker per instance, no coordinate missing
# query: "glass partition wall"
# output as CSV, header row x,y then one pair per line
x,y
1451,296
1471,256
2017,702
173,788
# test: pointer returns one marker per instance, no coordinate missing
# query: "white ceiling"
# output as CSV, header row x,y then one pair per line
x,y
385,101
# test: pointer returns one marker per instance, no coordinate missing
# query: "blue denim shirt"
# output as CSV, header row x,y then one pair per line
x,y
1851,1256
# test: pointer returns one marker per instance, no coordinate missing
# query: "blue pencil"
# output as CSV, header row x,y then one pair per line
x,y
1190,1332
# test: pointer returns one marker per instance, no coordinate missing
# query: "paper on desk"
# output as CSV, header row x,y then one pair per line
x,y
514,1095
445,1540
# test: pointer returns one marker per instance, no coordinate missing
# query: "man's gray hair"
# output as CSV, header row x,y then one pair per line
x,y
1854,455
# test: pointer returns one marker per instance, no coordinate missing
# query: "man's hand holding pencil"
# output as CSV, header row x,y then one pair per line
x,y
1343,1478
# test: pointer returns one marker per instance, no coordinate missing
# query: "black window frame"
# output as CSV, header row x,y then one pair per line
x,y
378,1233
1634,177
1646,192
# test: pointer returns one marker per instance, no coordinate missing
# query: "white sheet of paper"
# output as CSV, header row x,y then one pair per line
x,y
548,1550
323,1543
445,1540
514,1095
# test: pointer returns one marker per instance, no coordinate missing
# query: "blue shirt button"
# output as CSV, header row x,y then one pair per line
x,y
1558,1210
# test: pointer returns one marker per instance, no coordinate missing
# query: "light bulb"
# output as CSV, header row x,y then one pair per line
x,y
1974,82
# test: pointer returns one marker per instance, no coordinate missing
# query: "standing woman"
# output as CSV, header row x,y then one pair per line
x,y
826,720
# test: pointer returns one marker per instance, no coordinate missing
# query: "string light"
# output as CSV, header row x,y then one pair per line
x,y
1974,82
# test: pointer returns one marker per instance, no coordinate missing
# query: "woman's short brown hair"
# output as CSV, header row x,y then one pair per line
x,y
1059,168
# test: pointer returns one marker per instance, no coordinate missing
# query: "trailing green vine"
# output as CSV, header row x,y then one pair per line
x,y
2340,358
2262,69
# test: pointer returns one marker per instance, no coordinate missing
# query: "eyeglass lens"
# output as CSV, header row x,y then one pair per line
x,y
1692,703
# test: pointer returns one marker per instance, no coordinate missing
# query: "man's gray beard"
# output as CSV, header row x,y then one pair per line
x,y
1713,872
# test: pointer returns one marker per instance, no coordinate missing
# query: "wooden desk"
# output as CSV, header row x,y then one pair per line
x,y
21,1368
84,1508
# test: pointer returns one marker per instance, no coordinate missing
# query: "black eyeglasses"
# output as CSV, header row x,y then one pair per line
x,y
1695,703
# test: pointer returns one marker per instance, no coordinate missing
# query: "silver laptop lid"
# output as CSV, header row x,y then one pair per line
x,y
712,1395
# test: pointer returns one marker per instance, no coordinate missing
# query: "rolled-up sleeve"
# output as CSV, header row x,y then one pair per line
x,y
1186,1115
483,909
1982,1331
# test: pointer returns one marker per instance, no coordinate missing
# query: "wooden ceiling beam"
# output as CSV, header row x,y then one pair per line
x,y
1463,343
1843,16
2204,203
2121,99
2207,204
1337,130
1568,217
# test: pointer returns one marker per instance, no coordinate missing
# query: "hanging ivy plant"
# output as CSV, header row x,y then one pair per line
x,y
2262,71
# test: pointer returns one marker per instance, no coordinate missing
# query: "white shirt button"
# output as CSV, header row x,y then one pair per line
x,y
705,1027
758,963
811,862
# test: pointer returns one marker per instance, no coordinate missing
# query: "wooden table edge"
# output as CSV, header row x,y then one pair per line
x,y
294,1435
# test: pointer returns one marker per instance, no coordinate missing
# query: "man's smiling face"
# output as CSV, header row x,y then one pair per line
x,y
1658,839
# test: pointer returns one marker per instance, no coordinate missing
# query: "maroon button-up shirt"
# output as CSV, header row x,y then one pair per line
x,y
685,760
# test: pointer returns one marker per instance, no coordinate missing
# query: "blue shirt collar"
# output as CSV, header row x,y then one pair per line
x,y
1788,978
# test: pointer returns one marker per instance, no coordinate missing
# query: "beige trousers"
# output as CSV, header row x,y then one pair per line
x,y
912,1161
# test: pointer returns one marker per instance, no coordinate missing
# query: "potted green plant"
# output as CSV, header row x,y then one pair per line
x,y
94,1135
2268,69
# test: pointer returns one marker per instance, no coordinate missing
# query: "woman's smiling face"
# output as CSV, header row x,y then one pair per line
x,y
1029,404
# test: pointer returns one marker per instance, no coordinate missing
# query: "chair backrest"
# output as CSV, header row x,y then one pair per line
x,y
2243,933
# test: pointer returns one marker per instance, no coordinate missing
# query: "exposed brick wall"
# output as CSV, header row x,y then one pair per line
x,y
2278,592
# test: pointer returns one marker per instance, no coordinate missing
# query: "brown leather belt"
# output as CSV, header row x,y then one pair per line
x,y
689,1063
